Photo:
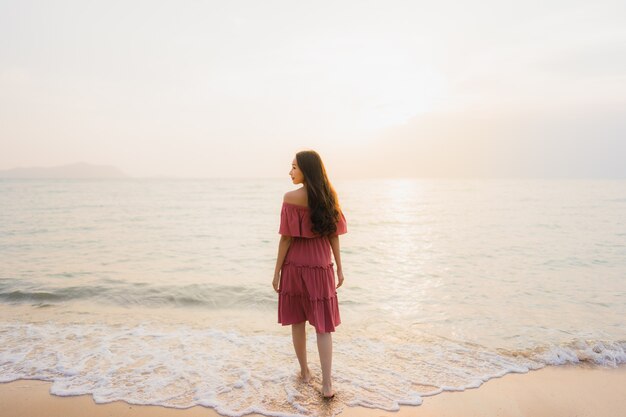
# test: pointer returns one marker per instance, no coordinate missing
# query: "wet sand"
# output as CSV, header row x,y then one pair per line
x,y
563,391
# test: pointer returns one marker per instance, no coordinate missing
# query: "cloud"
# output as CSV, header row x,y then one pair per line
x,y
583,142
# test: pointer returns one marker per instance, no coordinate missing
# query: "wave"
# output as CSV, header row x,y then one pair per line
x,y
237,373
212,296
577,351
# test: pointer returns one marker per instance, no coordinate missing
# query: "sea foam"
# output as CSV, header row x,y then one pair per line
x,y
237,374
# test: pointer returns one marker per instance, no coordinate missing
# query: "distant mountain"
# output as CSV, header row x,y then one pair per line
x,y
78,170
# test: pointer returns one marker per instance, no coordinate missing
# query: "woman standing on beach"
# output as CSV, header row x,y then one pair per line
x,y
311,221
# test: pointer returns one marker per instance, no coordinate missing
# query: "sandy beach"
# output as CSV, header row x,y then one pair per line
x,y
551,392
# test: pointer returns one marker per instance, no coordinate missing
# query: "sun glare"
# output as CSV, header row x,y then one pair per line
x,y
375,85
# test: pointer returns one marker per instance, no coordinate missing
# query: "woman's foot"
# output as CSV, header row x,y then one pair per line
x,y
327,391
305,374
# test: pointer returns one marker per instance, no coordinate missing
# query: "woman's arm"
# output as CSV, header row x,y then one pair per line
x,y
334,244
283,247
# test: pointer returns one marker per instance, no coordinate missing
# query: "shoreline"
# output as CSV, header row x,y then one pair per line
x,y
553,391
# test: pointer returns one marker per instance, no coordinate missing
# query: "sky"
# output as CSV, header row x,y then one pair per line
x,y
452,89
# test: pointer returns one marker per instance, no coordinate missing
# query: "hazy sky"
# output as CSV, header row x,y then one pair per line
x,y
385,88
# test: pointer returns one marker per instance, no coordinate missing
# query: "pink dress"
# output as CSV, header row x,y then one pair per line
x,y
307,285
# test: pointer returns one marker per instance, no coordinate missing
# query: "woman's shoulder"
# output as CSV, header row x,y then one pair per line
x,y
296,197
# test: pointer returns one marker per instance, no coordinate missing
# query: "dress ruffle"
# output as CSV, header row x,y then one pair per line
x,y
295,221
307,292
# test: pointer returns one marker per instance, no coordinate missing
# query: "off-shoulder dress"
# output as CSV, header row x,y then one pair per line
x,y
307,285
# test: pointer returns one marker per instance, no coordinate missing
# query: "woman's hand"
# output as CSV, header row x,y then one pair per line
x,y
276,281
339,278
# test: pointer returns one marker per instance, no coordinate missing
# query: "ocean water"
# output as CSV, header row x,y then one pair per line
x,y
159,291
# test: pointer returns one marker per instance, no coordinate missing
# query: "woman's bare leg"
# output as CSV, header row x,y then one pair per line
x,y
298,335
325,348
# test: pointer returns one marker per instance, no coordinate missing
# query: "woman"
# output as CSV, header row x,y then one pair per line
x,y
310,222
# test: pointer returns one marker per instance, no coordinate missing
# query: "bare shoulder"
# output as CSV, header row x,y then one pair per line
x,y
298,197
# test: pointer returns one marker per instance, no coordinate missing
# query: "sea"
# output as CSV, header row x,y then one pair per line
x,y
158,291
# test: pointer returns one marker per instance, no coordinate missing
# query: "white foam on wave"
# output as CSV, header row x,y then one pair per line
x,y
238,374
600,353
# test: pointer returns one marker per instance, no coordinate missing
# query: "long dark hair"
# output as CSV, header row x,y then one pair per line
x,y
323,202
